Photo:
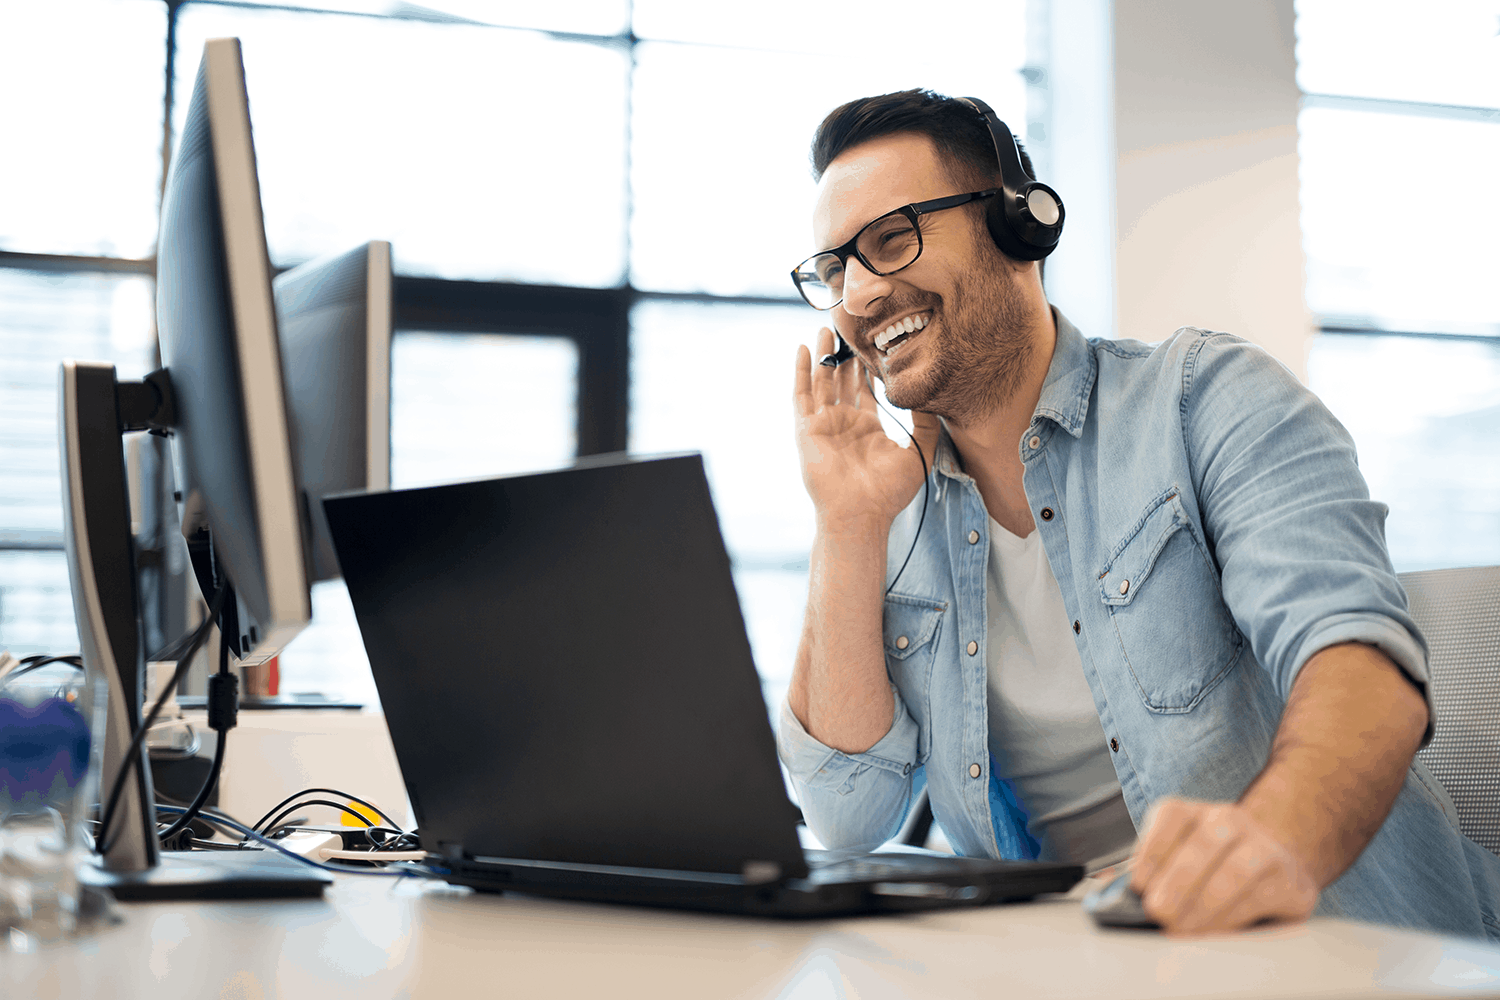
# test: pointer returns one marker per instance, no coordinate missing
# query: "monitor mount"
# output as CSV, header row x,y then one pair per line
x,y
97,410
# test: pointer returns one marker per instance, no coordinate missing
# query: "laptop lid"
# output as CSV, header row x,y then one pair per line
x,y
564,669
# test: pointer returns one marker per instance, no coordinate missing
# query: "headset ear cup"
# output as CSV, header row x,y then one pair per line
x,y
1005,238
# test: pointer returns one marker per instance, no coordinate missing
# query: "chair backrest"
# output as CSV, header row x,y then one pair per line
x,y
1458,610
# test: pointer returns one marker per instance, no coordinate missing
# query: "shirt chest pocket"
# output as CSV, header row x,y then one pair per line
x,y
912,627
1163,596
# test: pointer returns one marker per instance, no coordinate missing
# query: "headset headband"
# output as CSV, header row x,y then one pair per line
x,y
1027,219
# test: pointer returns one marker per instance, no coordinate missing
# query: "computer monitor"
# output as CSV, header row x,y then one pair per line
x,y
334,316
220,397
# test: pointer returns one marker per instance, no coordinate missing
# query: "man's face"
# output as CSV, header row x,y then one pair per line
x,y
968,343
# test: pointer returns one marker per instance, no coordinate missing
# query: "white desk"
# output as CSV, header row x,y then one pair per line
x,y
373,937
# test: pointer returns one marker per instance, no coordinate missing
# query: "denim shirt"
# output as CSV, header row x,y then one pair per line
x,y
1210,531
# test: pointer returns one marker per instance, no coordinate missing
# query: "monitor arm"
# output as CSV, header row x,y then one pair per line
x,y
96,410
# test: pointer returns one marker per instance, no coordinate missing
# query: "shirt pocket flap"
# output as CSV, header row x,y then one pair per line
x,y
1130,566
910,623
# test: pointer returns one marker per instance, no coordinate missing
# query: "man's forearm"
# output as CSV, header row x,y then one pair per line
x,y
1342,751
839,688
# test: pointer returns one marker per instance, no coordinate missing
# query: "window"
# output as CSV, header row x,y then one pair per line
x,y
551,178
1399,135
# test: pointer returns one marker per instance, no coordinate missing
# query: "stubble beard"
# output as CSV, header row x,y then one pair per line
x,y
985,350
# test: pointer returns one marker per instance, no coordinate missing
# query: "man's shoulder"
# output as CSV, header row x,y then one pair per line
x,y
1177,356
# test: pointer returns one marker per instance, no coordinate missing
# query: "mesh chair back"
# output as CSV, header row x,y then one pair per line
x,y
1458,610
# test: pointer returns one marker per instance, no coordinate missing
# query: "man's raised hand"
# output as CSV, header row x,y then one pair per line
x,y
857,476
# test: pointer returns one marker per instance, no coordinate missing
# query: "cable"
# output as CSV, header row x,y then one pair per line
x,y
212,781
926,482
270,828
39,660
224,822
132,755
327,791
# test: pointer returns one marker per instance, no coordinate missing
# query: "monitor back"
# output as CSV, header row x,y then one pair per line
x,y
217,328
334,319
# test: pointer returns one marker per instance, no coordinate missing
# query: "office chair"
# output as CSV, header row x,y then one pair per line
x,y
1458,610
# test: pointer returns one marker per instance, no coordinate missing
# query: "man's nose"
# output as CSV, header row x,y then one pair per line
x,y
863,288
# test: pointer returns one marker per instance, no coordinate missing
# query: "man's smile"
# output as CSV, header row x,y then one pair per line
x,y
899,332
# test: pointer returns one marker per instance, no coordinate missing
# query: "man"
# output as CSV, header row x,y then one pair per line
x,y
1142,587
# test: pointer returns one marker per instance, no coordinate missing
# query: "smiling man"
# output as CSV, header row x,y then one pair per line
x,y
1114,587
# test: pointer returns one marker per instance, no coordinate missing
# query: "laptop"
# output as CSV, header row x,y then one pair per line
x,y
571,696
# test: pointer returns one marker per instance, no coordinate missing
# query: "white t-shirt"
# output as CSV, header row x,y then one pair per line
x,y
1044,727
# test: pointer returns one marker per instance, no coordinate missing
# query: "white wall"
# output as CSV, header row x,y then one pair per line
x,y
1206,198
1079,155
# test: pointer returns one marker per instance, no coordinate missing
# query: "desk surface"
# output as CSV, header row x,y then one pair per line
x,y
373,937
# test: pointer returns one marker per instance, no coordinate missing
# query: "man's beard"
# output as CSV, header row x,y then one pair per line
x,y
985,350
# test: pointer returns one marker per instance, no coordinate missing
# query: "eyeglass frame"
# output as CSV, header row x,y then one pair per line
x,y
913,214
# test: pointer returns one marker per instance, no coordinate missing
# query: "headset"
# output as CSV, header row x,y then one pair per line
x,y
1025,219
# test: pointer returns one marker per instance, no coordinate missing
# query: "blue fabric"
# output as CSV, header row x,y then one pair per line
x,y
1010,819
1210,531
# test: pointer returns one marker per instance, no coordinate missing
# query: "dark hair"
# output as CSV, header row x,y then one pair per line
x,y
962,138
955,128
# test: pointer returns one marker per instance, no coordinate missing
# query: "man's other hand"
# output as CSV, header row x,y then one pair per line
x,y
1204,867
853,471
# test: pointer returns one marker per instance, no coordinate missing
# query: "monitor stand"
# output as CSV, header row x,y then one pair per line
x,y
248,874
97,411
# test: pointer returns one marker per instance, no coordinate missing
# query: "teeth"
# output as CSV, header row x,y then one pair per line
x,y
910,324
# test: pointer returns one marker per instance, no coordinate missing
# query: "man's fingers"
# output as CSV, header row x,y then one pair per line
x,y
1174,891
1234,894
802,382
1167,824
823,390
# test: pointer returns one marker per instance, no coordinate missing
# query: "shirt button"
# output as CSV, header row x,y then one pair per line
x,y
973,647
1077,626
1034,443
902,642
1124,587
1114,744
974,770
973,537
1046,513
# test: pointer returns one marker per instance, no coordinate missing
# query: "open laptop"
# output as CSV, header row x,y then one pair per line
x,y
572,699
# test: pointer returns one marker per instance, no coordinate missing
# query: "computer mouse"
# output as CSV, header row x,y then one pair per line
x,y
1117,905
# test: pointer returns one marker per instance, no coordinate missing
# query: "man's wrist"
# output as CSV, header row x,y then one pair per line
x,y
858,528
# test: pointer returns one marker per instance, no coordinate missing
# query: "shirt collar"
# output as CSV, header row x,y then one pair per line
x,y
1065,392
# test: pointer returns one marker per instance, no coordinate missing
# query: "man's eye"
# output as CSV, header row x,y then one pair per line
x,y
830,273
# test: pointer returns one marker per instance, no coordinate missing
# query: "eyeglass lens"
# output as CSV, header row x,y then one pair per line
x,y
887,245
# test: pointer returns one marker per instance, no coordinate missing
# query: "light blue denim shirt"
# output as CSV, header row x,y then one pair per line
x,y
1210,531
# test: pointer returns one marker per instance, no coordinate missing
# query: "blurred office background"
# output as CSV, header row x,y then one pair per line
x,y
594,204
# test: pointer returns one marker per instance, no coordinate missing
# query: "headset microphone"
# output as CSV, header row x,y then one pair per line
x,y
843,352
1025,220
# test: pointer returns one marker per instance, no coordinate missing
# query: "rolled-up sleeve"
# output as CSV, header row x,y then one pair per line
x,y
1300,545
851,801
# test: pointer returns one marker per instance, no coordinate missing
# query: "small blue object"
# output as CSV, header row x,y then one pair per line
x,y
44,752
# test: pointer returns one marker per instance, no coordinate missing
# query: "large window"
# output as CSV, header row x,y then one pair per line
x,y
593,207
1400,137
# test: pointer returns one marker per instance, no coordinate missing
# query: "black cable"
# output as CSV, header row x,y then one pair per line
x,y
222,708
40,660
400,869
212,781
132,755
271,827
261,826
926,482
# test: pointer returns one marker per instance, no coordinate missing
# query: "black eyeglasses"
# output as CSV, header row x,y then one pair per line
x,y
885,246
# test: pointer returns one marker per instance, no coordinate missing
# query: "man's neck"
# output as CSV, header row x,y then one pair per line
x,y
989,447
